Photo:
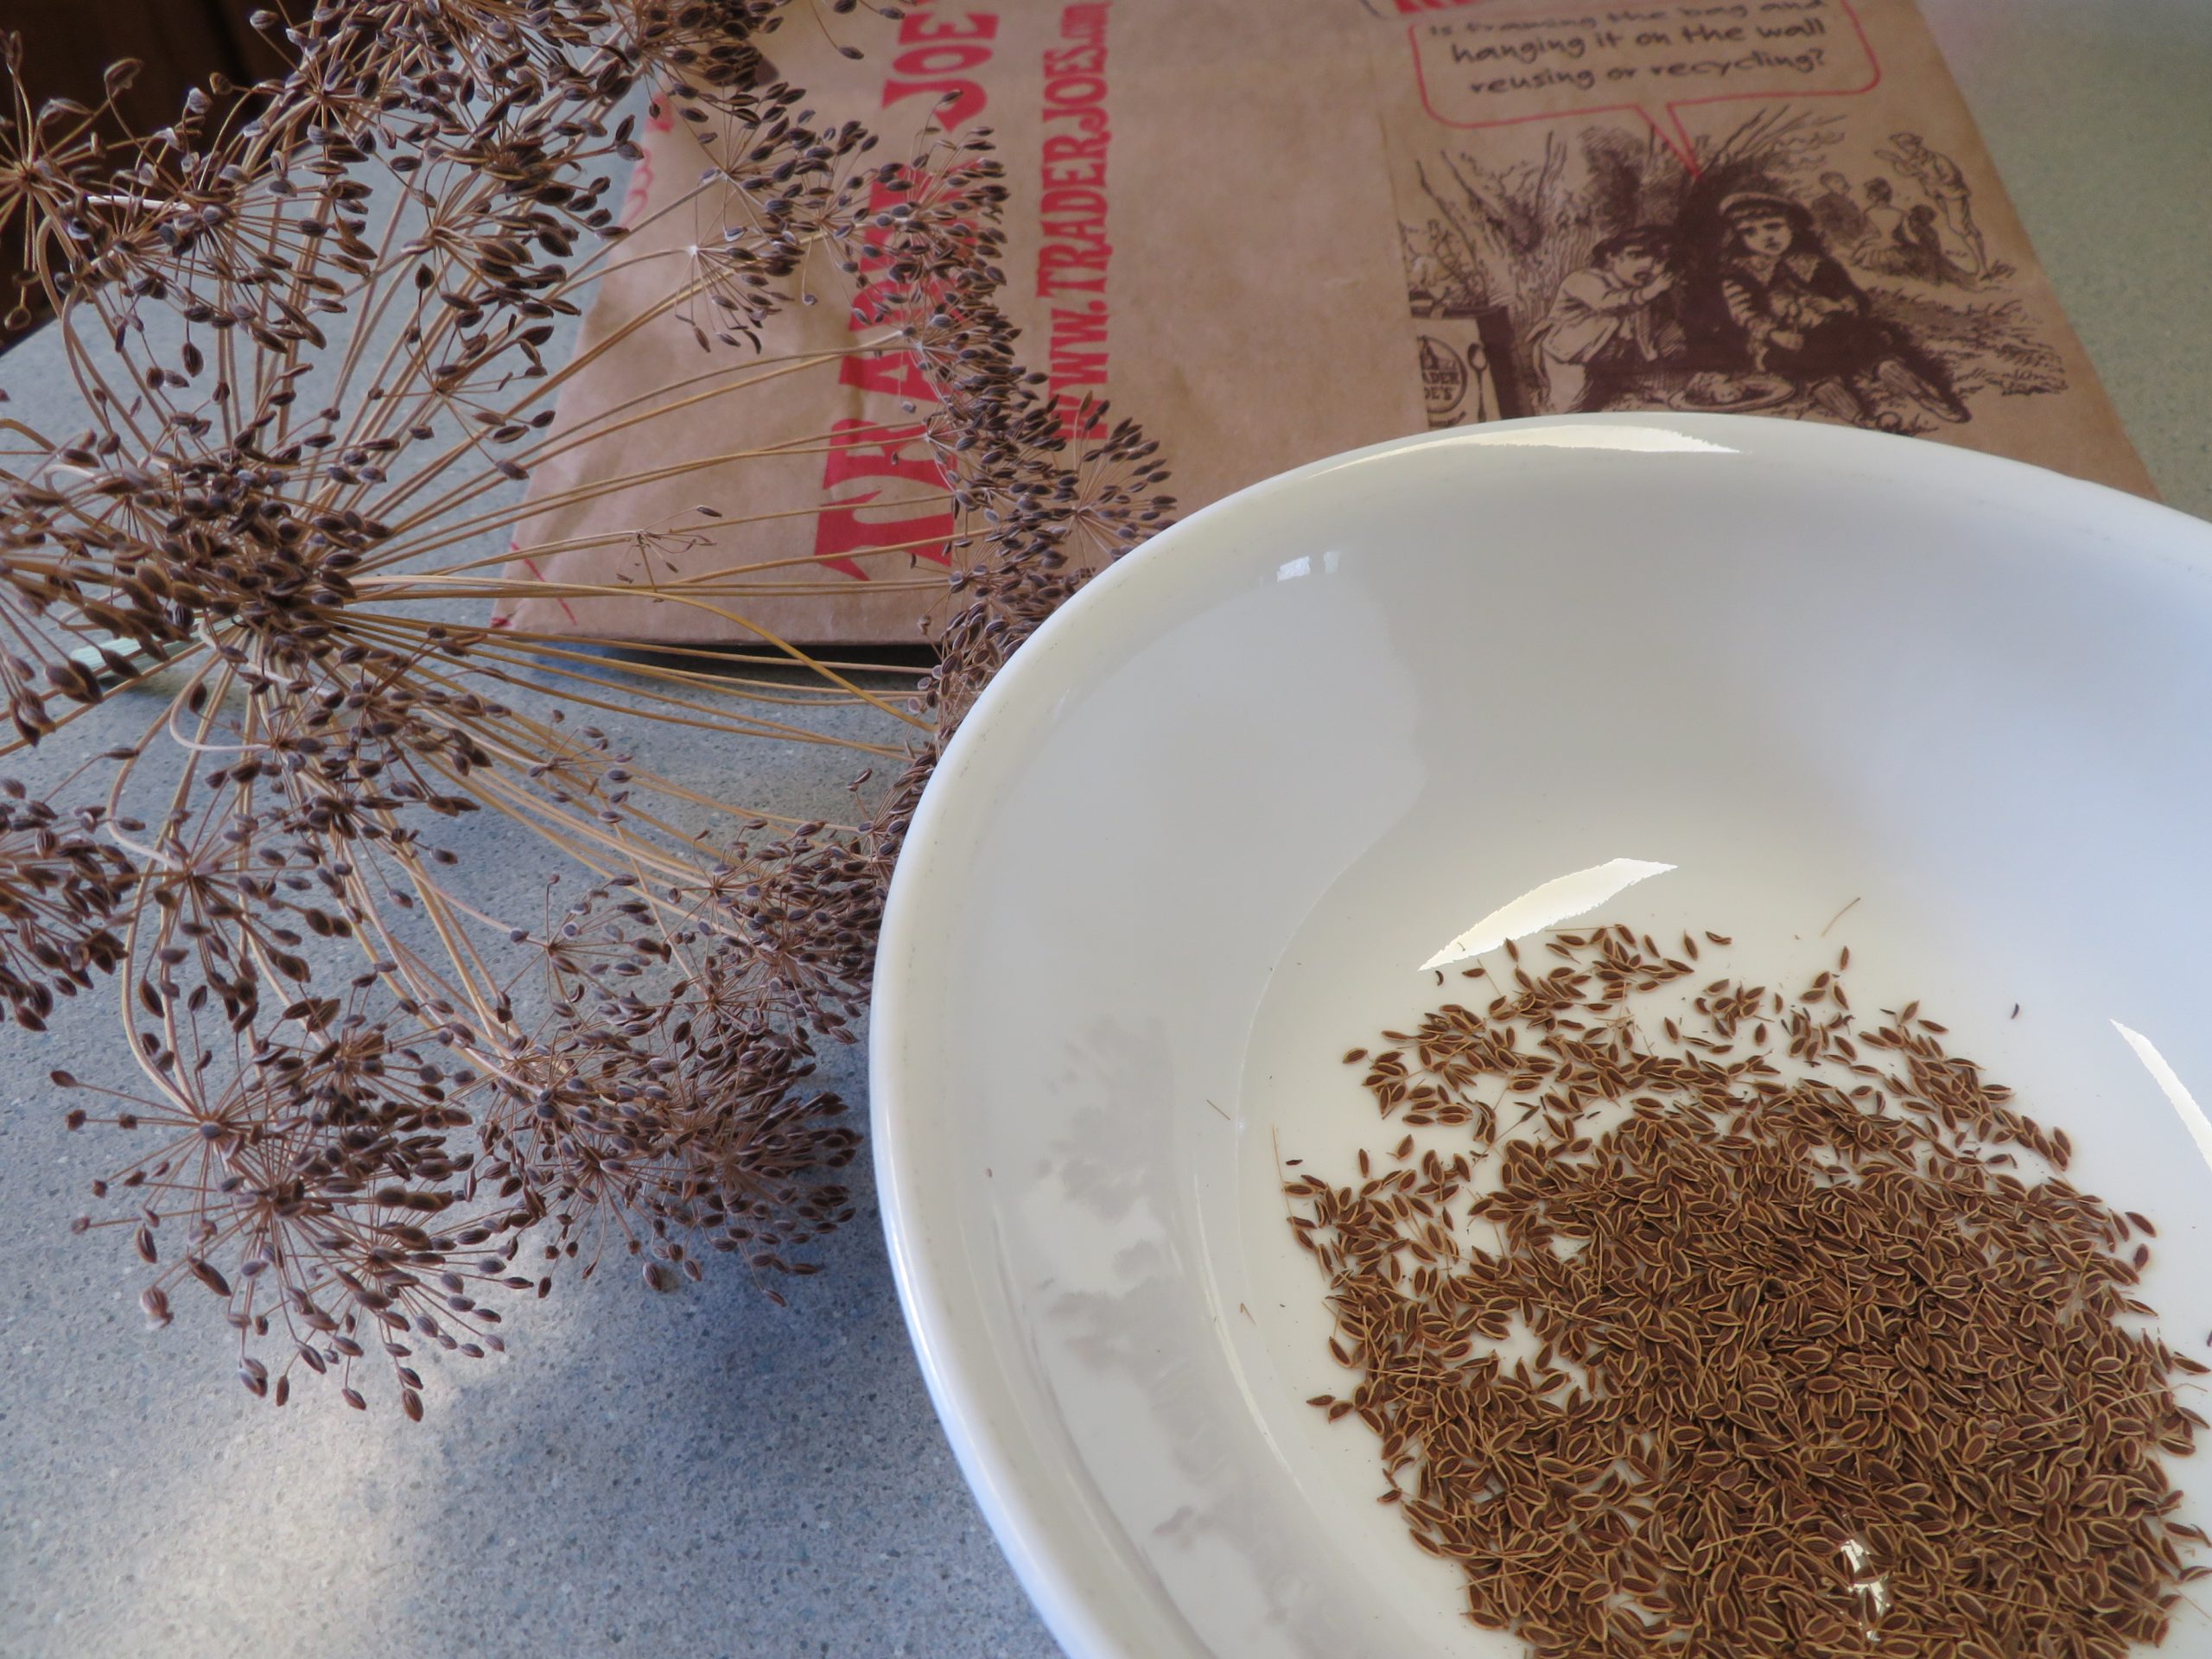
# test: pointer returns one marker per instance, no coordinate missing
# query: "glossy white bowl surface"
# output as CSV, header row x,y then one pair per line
x,y
1196,839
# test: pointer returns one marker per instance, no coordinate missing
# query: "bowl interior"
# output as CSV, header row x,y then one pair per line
x,y
1200,837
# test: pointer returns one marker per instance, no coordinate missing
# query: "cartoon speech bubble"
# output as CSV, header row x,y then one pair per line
x,y
1488,63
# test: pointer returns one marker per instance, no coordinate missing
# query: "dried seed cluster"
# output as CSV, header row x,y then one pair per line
x,y
1754,1335
310,331
59,888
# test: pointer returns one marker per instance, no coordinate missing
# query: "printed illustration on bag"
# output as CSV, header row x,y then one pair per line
x,y
1764,272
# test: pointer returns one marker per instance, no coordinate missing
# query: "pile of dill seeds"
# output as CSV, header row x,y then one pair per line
x,y
1772,1330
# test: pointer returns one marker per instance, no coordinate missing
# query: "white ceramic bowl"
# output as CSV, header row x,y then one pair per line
x,y
1196,838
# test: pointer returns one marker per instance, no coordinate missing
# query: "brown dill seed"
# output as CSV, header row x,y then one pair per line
x,y
1742,1361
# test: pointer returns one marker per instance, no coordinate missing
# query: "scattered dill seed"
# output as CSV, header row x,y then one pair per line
x,y
1814,1363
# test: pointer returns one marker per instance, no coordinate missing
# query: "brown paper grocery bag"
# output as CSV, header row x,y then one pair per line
x,y
1275,233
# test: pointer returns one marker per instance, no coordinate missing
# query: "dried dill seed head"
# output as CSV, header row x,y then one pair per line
x,y
311,336
1754,1337
59,891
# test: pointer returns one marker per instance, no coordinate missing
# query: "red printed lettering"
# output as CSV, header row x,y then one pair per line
x,y
958,102
861,450
1076,198
1055,259
922,29
895,374
852,455
1068,90
1073,256
948,59
1074,172
840,532
942,48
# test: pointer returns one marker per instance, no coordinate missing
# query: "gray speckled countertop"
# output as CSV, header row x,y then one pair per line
x,y
706,1474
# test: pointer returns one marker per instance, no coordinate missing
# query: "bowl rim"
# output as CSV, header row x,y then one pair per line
x,y
1028,1517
